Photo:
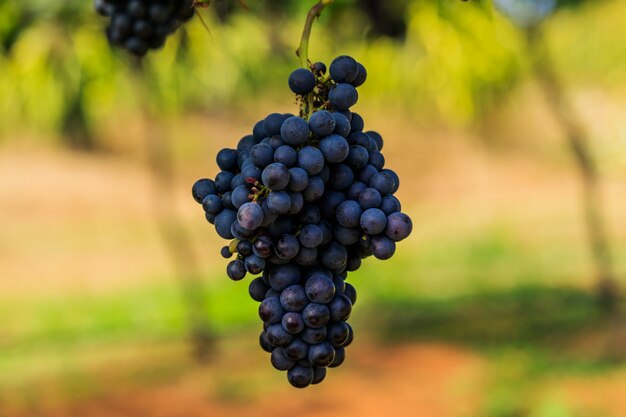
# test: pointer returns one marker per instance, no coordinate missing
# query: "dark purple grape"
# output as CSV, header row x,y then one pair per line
x,y
373,221
254,264
287,247
293,322
257,289
383,247
271,310
286,155
335,148
311,160
236,270
272,124
280,362
321,354
262,155
250,216
302,81
284,276
275,176
300,376
316,315
320,289
344,69
361,76
294,298
343,96
399,226
322,123
279,202
298,179
340,308
311,236
319,373
340,357
349,213
337,333
296,350
295,131
277,336
313,336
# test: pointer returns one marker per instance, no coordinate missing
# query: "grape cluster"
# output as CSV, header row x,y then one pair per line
x,y
141,25
304,200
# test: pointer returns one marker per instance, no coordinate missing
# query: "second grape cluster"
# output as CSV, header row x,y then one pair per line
x,y
304,199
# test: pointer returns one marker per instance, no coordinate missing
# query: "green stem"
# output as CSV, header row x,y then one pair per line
x,y
303,49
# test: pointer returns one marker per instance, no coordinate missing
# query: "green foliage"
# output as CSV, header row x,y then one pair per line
x,y
456,61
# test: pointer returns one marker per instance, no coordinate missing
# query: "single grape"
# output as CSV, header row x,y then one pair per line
x,y
294,298
279,202
335,148
295,131
342,124
315,190
275,176
340,308
321,354
373,221
254,264
383,247
298,179
313,336
257,289
296,350
311,236
344,69
292,322
334,256
350,292
300,376
250,216
212,204
322,123
337,333
340,357
302,81
320,289
349,213
262,155
265,344
316,315
287,247
361,76
399,226
236,270
271,310
286,155
343,96
311,160
356,124
280,362
272,124
319,373
226,253
203,188
277,336
284,276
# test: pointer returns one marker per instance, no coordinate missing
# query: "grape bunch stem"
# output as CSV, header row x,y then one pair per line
x,y
303,50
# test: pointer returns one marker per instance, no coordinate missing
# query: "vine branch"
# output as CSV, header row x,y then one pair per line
x,y
578,142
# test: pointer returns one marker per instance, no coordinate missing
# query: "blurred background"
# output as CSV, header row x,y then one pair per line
x,y
509,136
